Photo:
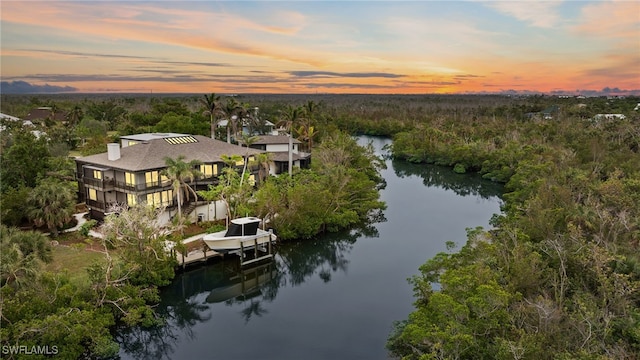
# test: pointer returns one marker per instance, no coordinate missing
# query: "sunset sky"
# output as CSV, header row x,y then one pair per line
x,y
412,47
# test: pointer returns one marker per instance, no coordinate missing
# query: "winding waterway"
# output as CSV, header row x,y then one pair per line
x,y
333,298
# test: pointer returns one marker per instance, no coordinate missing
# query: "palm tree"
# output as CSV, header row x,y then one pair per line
x,y
264,161
51,205
179,172
53,112
247,141
21,253
230,110
75,116
290,116
307,133
212,107
310,109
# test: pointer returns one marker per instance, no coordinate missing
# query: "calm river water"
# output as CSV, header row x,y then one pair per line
x,y
333,298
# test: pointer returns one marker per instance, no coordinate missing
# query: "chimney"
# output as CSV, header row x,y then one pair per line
x,y
113,151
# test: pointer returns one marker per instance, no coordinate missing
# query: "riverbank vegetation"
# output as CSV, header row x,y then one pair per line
x,y
558,276
340,190
117,283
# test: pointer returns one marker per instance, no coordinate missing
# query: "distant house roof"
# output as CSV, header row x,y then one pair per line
x,y
9,117
6,117
151,136
43,113
150,154
274,139
245,122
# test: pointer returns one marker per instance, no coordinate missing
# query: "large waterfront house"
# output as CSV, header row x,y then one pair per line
x,y
131,172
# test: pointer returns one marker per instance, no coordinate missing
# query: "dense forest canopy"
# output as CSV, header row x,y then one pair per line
x,y
558,275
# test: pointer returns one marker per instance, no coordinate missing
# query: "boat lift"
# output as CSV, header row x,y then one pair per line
x,y
254,243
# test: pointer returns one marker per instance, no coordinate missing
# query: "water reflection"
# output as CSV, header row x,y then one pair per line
x,y
159,342
443,177
197,294
335,297
301,260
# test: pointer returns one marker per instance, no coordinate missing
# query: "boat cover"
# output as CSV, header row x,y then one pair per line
x,y
250,228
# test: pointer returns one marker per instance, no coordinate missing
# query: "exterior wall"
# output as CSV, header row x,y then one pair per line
x,y
272,168
217,210
111,197
165,217
281,148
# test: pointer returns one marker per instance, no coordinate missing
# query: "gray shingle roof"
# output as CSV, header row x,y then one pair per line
x,y
284,156
274,139
150,154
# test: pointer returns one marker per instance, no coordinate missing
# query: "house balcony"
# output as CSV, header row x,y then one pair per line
x,y
106,207
127,187
99,205
99,184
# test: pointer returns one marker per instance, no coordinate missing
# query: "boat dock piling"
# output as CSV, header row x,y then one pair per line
x,y
254,243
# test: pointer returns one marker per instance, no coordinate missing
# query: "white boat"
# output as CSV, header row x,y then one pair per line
x,y
242,233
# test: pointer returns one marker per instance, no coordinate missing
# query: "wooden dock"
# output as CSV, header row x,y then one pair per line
x,y
199,252
196,256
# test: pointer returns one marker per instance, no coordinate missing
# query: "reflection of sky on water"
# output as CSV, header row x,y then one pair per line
x,y
333,297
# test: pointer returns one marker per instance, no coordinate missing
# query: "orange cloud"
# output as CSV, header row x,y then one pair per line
x,y
611,19
78,18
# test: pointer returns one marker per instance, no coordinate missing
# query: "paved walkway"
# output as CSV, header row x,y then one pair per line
x,y
81,220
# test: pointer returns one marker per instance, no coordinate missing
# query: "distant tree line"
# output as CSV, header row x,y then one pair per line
x,y
558,276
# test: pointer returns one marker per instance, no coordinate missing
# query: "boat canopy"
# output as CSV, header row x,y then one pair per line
x,y
243,227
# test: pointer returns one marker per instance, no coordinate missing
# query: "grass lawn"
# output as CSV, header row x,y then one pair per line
x,y
75,153
74,253
73,256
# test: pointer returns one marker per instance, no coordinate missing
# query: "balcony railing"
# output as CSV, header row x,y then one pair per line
x,y
106,207
99,183
98,205
111,184
121,185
